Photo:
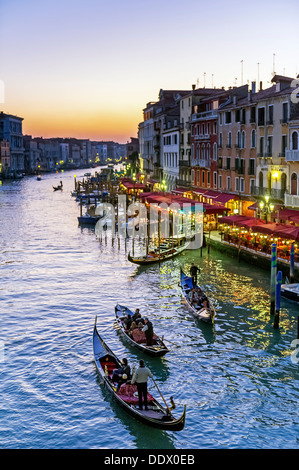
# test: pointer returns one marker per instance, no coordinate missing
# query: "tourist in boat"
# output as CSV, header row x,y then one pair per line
x,y
133,327
191,295
140,377
127,322
124,369
149,331
136,314
193,273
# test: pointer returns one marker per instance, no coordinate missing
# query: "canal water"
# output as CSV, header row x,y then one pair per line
x,y
239,379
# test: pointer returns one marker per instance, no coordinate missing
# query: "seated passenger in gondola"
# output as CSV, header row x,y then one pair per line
x,y
136,314
132,327
124,369
127,322
191,296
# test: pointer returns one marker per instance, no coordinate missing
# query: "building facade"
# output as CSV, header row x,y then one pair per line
x,y
11,131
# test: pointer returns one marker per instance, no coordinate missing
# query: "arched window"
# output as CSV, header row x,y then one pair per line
x,y
243,140
295,140
261,178
253,138
238,140
294,184
215,152
202,152
208,152
198,152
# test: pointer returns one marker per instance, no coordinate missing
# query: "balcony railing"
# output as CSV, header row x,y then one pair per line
x,y
202,136
272,193
185,163
205,115
201,162
292,155
291,200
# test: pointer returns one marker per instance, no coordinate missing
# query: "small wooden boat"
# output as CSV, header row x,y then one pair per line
x,y
88,219
290,291
204,310
59,187
137,338
127,397
157,255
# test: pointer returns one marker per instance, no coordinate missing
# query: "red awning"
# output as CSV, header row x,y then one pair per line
x,y
295,219
232,219
289,231
180,190
286,214
134,185
271,229
214,209
223,198
250,222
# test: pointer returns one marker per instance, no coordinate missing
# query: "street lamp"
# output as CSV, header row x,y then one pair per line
x,y
266,207
163,186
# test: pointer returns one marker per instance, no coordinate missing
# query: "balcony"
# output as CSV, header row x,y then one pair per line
x,y
202,137
201,163
185,163
278,194
291,200
292,155
205,115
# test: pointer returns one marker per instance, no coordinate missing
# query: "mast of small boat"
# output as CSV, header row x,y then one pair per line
x,y
159,230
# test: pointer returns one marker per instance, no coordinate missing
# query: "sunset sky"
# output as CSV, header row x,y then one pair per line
x,y
87,69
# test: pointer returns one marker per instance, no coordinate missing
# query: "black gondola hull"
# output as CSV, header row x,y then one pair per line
x,y
170,423
151,351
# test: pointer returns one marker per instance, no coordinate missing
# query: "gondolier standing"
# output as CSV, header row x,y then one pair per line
x,y
193,273
149,331
140,377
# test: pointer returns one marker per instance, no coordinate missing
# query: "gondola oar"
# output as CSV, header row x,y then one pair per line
x,y
163,339
163,398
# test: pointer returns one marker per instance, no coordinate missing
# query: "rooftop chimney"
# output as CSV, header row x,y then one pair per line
x,y
261,86
193,87
253,87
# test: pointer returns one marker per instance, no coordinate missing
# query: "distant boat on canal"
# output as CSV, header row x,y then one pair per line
x,y
59,187
163,252
38,177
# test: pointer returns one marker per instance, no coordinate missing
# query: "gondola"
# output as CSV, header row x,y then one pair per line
x,y
290,291
205,311
156,350
158,255
88,220
156,415
59,187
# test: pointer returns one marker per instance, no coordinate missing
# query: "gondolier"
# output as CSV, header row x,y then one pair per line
x,y
140,378
149,331
193,273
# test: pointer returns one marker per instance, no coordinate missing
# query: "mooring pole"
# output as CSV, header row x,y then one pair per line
x,y
292,263
277,308
273,277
